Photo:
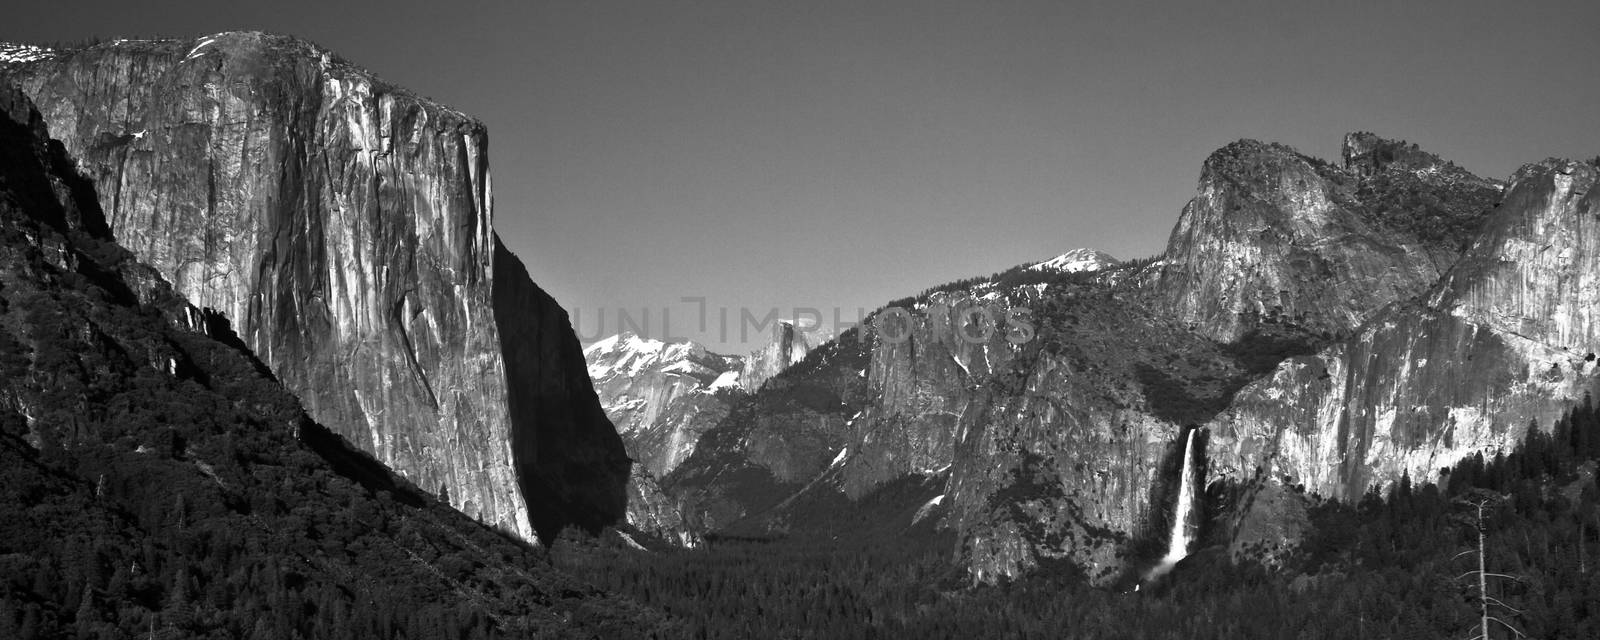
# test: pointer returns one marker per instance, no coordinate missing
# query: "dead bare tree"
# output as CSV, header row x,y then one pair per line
x,y
1480,500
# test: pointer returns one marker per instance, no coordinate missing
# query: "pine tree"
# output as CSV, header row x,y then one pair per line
x,y
8,619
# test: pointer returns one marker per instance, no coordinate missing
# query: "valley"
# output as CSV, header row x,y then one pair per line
x,y
269,370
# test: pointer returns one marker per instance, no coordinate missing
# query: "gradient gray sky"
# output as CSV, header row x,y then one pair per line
x,y
823,154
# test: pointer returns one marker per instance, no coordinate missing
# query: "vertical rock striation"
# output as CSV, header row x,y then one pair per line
x,y
344,225
1274,234
789,344
1318,321
1506,338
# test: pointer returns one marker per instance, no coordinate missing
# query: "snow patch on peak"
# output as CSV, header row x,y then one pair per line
x,y
839,459
1077,260
627,355
728,380
624,352
17,52
605,345
637,344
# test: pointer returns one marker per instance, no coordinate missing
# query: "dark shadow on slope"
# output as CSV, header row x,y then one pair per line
x,y
570,462
77,215
356,465
221,329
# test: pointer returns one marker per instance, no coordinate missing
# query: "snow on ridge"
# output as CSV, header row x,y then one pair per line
x,y
624,351
728,380
602,346
630,355
201,44
685,367
18,52
1076,261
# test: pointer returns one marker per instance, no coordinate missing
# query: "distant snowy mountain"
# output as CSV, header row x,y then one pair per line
x,y
628,356
662,395
1077,260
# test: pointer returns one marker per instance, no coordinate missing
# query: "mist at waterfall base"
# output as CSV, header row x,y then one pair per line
x,y
1183,526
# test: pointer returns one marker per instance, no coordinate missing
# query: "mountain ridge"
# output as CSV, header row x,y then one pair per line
x,y
1061,448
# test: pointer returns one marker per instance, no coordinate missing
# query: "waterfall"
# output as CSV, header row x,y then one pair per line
x,y
1183,517
1183,524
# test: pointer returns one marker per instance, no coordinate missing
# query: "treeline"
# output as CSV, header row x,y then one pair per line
x,y
1385,566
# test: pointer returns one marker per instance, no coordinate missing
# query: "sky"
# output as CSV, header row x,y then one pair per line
x,y
765,157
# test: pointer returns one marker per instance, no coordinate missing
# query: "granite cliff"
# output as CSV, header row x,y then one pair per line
x,y
345,226
1273,234
787,345
1505,339
1332,326
154,475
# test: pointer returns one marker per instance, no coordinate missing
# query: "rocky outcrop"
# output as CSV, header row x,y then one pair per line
x,y
1045,444
344,225
1296,304
789,344
653,511
1506,339
1274,234
924,370
772,444
137,431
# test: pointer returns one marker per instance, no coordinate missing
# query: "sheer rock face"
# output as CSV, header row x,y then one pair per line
x,y
1274,234
345,226
923,380
1052,440
1062,452
652,510
1404,354
789,344
1066,446
1506,338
